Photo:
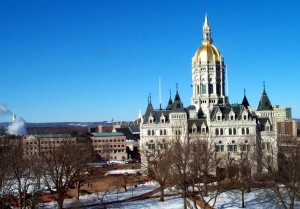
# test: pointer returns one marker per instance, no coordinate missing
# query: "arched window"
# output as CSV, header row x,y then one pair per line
x,y
221,131
165,132
153,133
230,131
211,89
217,131
149,132
203,87
160,132
234,131
243,131
247,130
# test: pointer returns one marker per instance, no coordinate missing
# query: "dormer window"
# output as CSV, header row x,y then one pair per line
x,y
194,128
219,116
151,119
203,128
231,116
162,119
245,115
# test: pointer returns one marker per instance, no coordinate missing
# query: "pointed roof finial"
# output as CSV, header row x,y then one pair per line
x,y
244,92
206,31
176,87
150,98
170,93
264,83
206,19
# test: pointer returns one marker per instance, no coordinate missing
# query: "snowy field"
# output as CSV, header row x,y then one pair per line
x,y
228,200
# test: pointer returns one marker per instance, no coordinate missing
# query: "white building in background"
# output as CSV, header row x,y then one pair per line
x,y
231,128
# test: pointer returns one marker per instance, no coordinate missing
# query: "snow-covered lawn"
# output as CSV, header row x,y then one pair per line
x,y
108,197
256,199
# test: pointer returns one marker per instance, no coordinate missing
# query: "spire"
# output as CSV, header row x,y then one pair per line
x,y
264,92
170,103
245,102
264,102
177,97
206,32
177,105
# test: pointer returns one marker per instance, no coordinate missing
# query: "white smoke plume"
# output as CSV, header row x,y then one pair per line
x,y
4,110
17,127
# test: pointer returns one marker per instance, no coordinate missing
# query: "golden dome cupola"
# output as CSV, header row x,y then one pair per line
x,y
207,52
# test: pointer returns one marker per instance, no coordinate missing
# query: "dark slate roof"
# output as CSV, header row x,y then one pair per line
x,y
134,128
150,111
200,113
264,103
128,134
237,109
156,115
198,123
263,121
245,102
170,104
177,105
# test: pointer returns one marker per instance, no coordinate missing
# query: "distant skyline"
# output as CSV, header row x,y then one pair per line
x,y
95,60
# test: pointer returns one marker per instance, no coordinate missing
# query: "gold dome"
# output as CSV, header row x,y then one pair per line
x,y
207,52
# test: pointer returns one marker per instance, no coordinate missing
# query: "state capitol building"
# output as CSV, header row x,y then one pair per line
x,y
230,128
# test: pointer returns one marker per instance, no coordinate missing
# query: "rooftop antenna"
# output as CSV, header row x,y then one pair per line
x,y
226,84
159,89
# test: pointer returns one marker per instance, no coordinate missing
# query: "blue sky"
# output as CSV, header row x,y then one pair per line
x,y
97,60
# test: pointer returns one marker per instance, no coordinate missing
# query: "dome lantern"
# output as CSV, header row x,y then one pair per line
x,y
207,52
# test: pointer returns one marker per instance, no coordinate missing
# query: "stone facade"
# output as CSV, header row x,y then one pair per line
x,y
230,129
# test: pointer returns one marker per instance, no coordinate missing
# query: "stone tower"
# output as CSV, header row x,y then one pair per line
x,y
208,74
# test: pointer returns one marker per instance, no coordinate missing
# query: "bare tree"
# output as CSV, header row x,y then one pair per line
x,y
20,171
159,162
63,164
241,176
204,161
283,166
102,195
180,174
123,181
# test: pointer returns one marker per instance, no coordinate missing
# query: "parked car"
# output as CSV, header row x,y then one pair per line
x,y
128,161
84,191
141,181
103,165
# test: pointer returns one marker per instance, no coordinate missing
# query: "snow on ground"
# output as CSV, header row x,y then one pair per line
x,y
110,196
123,171
256,199
169,203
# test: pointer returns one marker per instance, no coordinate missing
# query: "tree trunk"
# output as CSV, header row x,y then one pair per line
x,y
184,200
78,188
292,199
162,194
243,198
60,201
